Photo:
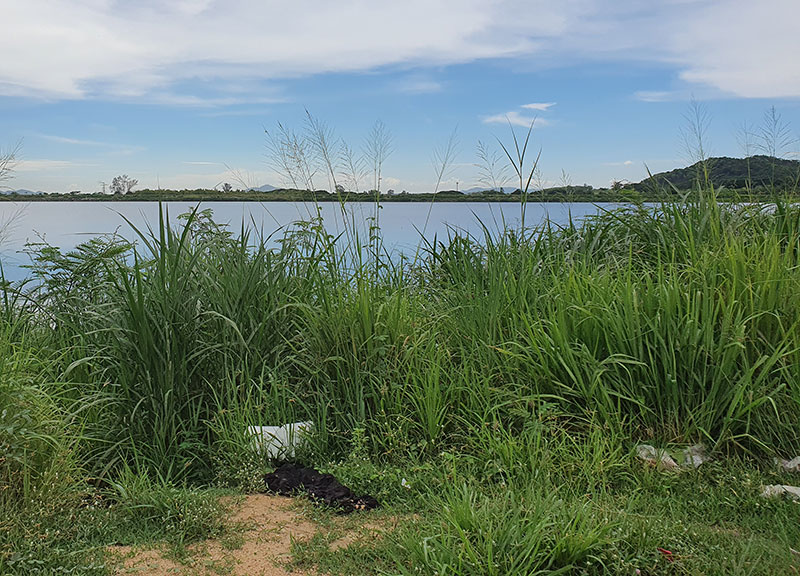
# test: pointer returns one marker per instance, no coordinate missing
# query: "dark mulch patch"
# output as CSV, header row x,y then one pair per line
x,y
288,479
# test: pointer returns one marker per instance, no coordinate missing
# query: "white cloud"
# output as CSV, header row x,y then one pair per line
x,y
514,118
655,95
41,165
192,101
131,50
752,56
391,183
231,112
74,141
541,106
110,148
151,50
729,48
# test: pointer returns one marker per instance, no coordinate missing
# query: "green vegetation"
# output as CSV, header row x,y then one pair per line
x,y
496,387
756,174
559,194
754,178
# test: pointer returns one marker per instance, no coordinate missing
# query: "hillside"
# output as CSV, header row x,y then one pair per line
x,y
757,172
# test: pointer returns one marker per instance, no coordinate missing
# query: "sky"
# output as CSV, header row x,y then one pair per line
x,y
183,94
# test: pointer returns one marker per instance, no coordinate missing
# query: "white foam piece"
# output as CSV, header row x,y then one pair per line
x,y
279,441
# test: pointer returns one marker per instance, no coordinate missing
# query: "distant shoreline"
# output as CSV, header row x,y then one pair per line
x,y
754,178
567,194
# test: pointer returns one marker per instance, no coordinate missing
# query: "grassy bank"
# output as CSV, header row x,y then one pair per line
x,y
496,385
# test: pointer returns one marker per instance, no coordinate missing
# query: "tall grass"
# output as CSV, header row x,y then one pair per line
x,y
516,368
677,322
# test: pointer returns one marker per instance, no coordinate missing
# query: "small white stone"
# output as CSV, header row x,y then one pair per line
x,y
792,465
695,456
773,490
658,458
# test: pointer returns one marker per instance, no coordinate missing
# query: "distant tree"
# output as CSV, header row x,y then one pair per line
x,y
123,184
737,173
227,187
617,185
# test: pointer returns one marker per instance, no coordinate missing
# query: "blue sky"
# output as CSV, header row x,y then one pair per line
x,y
178,94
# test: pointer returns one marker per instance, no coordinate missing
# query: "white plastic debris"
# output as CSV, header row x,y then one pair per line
x,y
695,456
279,441
773,490
658,458
792,465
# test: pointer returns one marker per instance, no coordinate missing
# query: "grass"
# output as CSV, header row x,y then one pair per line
x,y
490,393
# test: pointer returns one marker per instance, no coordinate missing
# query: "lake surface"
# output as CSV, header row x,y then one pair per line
x,y
66,224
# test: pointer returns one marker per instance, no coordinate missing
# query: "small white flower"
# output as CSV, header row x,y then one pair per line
x,y
404,483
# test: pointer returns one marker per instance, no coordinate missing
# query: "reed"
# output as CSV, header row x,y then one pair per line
x,y
520,366
677,322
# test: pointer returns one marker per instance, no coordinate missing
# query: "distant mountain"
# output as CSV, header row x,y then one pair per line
x,y
736,173
264,188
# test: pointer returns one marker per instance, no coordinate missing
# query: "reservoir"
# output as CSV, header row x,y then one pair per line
x,y
403,225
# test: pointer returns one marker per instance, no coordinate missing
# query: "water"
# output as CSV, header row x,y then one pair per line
x,y
66,224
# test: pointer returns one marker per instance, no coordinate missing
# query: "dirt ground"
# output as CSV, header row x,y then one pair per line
x,y
259,544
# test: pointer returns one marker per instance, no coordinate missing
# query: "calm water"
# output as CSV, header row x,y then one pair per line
x,y
66,224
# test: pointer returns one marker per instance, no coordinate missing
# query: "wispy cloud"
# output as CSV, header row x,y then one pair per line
x,y
232,112
85,49
41,165
202,163
109,148
416,84
541,106
514,118
658,95
73,141
390,182
194,101
622,163
76,50
763,66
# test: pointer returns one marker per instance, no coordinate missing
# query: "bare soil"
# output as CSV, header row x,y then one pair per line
x,y
263,528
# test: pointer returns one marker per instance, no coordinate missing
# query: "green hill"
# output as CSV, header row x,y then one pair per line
x,y
756,172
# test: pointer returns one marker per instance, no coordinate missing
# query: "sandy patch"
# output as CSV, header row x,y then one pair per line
x,y
261,546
